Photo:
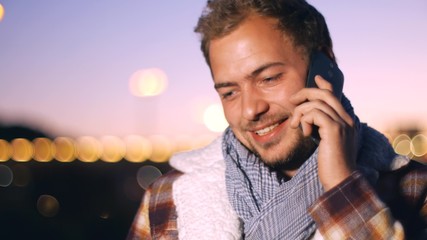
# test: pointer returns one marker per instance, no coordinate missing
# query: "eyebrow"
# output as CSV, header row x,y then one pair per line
x,y
224,85
252,75
261,68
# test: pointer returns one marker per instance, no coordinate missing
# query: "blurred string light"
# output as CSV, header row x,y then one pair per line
x,y
89,149
184,143
5,150
402,145
162,148
64,149
1,12
113,149
23,150
411,147
47,205
137,149
44,150
148,82
419,145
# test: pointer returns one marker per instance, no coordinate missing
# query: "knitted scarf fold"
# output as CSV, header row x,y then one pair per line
x,y
272,208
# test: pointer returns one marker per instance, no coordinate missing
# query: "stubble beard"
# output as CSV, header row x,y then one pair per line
x,y
293,154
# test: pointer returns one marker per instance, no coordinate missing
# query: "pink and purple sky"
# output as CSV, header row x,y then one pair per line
x,y
65,65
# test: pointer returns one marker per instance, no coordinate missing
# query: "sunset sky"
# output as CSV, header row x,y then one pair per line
x,y
65,65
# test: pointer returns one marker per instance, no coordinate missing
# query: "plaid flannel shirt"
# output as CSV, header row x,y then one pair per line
x,y
156,217
396,208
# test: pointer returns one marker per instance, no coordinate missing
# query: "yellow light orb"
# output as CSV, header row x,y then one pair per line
x,y
44,150
399,138
89,149
403,148
204,140
183,143
23,150
138,149
419,145
5,150
148,82
65,149
214,118
162,149
1,12
113,149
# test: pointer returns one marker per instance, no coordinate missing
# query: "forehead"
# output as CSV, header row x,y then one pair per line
x,y
255,42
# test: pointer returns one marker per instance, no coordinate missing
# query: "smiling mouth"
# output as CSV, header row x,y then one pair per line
x,y
266,130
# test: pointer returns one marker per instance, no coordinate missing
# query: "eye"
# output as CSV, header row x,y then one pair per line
x,y
227,95
272,78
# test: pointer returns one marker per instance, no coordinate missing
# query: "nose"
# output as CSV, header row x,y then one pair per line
x,y
253,105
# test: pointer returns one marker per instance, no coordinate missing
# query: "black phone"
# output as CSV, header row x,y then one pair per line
x,y
322,65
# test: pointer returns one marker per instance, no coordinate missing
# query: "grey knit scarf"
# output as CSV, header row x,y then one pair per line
x,y
272,208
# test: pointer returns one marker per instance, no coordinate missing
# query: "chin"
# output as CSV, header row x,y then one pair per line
x,y
288,154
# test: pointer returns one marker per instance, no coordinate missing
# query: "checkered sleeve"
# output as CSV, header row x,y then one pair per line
x,y
156,218
352,210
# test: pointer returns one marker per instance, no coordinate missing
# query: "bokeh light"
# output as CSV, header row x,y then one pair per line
x,y
403,147
1,12
89,149
65,149
148,82
113,149
6,176
214,118
5,150
138,149
399,138
23,150
419,145
44,150
104,215
147,175
47,205
204,140
183,143
162,149
22,175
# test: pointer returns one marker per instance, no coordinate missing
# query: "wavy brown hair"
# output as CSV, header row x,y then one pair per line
x,y
302,22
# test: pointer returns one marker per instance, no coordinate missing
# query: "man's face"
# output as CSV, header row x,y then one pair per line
x,y
256,69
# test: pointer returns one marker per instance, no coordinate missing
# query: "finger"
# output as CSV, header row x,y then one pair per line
x,y
306,128
323,121
323,83
325,95
306,107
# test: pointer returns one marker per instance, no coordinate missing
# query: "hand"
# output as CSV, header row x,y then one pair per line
x,y
337,147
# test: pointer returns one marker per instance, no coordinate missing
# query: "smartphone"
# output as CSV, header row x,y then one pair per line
x,y
322,65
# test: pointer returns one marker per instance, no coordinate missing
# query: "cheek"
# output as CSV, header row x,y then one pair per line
x,y
281,97
231,115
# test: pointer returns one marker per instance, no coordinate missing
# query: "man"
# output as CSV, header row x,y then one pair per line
x,y
266,178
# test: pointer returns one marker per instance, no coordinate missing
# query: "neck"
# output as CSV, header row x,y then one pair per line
x,y
289,173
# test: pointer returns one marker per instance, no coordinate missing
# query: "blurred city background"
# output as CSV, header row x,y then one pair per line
x,y
97,95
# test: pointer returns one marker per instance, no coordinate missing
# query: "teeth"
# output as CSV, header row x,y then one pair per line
x,y
266,130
